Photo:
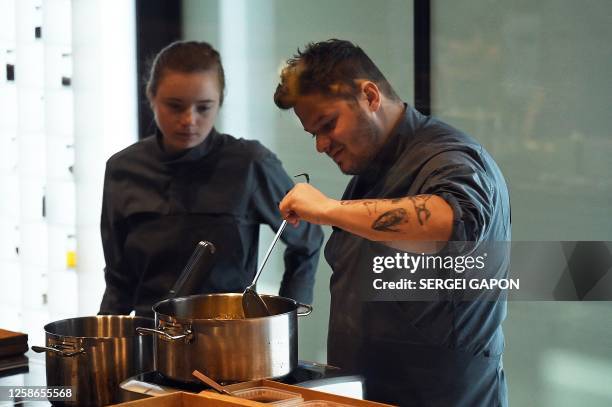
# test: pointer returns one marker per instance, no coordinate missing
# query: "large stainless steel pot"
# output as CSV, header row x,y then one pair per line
x,y
209,333
93,355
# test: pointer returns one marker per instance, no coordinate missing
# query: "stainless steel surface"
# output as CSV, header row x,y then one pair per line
x,y
94,355
222,343
252,304
205,379
33,375
188,279
304,313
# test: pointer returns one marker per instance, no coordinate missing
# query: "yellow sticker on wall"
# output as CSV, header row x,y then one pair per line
x,y
71,259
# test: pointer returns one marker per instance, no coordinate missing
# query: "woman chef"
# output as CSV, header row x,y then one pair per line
x,y
187,183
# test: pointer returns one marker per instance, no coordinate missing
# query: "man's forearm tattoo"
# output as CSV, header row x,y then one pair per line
x,y
420,208
390,220
370,204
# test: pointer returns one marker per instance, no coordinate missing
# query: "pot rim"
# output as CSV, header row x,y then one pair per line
x,y
66,320
171,318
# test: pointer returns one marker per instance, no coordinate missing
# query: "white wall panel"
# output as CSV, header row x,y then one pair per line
x,y
105,121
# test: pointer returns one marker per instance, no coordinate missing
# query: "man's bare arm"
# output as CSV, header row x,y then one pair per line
x,y
420,218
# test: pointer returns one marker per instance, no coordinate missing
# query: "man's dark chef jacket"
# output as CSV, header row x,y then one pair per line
x,y
157,206
423,353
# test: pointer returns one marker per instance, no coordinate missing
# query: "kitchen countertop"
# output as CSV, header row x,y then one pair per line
x,y
36,376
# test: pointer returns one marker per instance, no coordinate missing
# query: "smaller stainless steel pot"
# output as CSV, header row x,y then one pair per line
x,y
209,333
93,355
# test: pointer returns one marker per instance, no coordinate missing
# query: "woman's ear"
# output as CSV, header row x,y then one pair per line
x,y
149,95
151,101
372,95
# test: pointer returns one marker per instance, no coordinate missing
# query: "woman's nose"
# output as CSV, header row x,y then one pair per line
x,y
189,116
322,143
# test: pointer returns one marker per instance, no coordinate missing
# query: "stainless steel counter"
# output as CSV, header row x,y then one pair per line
x,y
35,376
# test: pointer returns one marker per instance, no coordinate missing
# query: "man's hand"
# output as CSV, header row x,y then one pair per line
x,y
305,202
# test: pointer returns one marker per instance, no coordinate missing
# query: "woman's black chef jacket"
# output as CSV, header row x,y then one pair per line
x,y
156,207
424,353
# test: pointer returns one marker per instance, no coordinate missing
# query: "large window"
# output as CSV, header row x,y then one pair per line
x,y
530,80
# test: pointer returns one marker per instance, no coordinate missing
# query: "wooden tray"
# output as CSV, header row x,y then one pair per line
x,y
12,343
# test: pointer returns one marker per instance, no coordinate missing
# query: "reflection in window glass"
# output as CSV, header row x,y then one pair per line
x,y
531,81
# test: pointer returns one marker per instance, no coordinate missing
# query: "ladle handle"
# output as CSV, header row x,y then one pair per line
x,y
192,275
265,259
278,233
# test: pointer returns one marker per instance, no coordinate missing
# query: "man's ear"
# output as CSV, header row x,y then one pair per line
x,y
372,95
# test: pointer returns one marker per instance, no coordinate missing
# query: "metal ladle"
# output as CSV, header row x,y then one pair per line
x,y
252,304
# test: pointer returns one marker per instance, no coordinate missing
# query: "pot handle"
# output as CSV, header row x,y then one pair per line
x,y
60,352
304,313
150,331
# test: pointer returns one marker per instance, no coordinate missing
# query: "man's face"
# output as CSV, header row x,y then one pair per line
x,y
342,129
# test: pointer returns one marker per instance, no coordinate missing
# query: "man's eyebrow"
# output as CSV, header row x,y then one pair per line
x,y
317,123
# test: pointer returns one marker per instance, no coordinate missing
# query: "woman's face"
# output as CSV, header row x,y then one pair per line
x,y
185,107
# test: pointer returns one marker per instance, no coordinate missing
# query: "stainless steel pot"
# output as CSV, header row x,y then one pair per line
x,y
93,355
209,333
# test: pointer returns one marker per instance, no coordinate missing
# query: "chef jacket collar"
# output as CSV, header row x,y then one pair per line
x,y
402,134
190,155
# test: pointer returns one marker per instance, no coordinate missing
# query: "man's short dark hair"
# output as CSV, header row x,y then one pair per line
x,y
331,68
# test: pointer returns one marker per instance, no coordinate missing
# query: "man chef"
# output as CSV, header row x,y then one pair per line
x,y
416,181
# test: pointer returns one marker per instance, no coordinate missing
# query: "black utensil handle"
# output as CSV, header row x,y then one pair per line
x,y
197,268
